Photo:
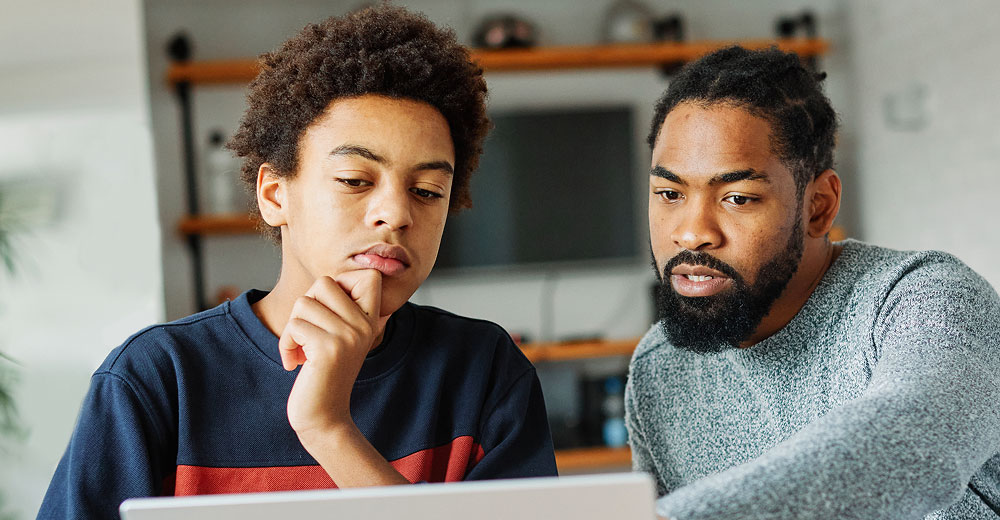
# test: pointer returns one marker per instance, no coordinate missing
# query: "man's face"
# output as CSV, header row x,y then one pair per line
x,y
725,225
371,192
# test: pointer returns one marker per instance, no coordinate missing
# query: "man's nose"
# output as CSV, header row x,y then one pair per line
x,y
697,229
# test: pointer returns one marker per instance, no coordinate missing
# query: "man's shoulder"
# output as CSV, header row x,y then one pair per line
x,y
871,268
919,292
653,340
883,262
656,352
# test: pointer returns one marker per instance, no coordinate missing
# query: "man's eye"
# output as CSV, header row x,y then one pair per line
x,y
425,194
669,194
738,200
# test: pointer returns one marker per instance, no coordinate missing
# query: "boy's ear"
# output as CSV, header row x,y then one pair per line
x,y
823,203
271,195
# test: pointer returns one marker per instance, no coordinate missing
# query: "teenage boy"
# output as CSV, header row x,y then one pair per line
x,y
790,377
360,135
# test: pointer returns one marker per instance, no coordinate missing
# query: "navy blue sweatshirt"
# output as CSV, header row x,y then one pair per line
x,y
197,406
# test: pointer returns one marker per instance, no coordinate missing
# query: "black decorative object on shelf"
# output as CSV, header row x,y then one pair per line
x,y
669,28
800,26
506,31
179,48
602,411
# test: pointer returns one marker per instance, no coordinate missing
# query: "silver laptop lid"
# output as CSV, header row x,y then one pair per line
x,y
624,496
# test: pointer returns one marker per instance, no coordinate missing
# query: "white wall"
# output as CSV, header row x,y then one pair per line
x,y
928,134
74,131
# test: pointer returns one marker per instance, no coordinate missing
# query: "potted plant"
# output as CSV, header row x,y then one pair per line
x,y
9,426
7,414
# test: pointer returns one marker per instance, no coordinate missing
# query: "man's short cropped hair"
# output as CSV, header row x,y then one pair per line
x,y
772,85
382,50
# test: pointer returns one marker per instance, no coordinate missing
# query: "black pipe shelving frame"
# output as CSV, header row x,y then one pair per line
x,y
179,51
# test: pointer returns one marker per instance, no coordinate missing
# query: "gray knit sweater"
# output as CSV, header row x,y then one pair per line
x,y
879,400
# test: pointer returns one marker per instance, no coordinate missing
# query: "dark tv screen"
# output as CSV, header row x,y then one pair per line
x,y
552,186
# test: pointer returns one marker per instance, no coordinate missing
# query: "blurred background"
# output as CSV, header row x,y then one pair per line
x,y
93,187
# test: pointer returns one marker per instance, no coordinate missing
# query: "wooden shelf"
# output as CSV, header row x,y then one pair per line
x,y
578,459
226,224
632,55
541,58
837,234
565,351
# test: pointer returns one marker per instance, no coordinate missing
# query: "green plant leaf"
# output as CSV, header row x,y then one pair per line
x,y
6,245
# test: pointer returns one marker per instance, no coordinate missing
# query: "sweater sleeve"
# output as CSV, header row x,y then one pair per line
x,y
111,455
515,435
909,444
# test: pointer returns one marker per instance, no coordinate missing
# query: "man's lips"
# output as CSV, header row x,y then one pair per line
x,y
388,259
697,280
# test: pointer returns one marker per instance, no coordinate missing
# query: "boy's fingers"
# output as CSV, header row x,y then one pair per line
x,y
365,288
329,304
290,351
300,341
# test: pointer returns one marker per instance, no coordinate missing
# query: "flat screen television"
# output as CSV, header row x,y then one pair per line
x,y
553,186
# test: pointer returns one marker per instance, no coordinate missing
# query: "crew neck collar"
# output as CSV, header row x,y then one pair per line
x,y
394,346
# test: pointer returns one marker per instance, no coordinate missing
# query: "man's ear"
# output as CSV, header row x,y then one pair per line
x,y
272,195
822,203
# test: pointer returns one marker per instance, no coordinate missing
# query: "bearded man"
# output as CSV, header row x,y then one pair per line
x,y
788,376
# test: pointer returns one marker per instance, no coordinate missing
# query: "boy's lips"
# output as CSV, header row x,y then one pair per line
x,y
697,280
388,259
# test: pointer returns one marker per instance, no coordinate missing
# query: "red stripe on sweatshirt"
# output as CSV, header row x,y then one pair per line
x,y
446,463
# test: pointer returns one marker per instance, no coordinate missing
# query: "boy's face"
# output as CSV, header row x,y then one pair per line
x,y
371,192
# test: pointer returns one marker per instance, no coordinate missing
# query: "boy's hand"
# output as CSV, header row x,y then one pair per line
x,y
330,331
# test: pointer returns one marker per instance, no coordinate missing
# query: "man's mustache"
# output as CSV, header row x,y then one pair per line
x,y
704,259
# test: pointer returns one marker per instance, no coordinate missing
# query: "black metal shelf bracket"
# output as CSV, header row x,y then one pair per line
x,y
179,50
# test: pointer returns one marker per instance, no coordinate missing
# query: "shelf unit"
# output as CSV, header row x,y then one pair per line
x,y
567,351
218,224
577,460
535,59
183,74
586,459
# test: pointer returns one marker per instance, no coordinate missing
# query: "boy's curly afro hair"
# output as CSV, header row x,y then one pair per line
x,y
382,50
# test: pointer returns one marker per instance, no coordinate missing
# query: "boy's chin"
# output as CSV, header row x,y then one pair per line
x,y
393,299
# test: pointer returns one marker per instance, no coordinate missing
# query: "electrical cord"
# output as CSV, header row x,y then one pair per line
x,y
547,310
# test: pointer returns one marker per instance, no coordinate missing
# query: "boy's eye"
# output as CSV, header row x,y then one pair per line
x,y
425,194
354,183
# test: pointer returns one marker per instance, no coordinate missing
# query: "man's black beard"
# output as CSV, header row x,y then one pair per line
x,y
713,323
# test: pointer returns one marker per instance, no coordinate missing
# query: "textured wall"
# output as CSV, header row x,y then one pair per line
x,y
928,138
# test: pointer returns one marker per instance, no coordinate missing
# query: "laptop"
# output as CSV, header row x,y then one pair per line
x,y
618,496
